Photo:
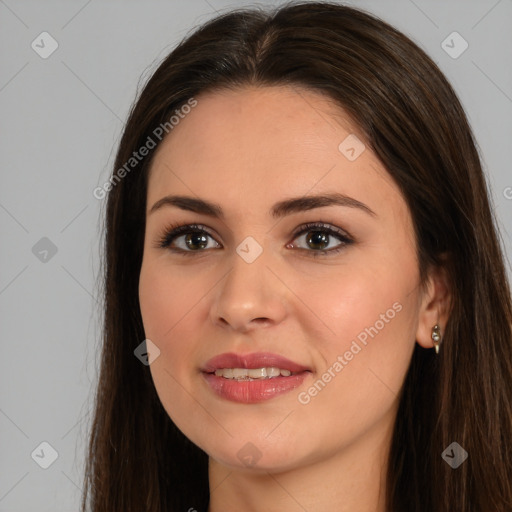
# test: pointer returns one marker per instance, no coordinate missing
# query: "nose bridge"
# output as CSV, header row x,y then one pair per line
x,y
248,291
247,278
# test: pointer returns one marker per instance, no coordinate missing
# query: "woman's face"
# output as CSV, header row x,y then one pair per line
x,y
255,284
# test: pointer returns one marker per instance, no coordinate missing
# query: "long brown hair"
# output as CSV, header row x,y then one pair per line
x,y
411,118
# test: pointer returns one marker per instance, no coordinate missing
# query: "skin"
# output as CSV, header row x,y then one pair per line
x,y
246,150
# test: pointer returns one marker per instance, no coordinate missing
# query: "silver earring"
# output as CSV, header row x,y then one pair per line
x,y
436,337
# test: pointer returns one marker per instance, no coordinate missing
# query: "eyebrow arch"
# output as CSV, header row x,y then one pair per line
x,y
280,209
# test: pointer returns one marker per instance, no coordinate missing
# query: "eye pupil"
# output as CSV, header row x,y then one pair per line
x,y
193,238
318,237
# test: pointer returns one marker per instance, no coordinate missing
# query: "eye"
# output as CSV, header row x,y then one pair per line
x,y
194,238
318,236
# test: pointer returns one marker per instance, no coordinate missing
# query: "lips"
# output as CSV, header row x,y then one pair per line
x,y
255,360
247,390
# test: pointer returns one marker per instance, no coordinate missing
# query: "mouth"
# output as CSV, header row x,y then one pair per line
x,y
250,374
252,378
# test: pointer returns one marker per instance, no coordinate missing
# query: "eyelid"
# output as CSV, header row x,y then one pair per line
x,y
325,226
175,230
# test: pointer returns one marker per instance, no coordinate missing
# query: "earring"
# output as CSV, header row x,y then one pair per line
x,y
436,337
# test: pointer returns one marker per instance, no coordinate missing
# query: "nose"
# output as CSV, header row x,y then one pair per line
x,y
249,296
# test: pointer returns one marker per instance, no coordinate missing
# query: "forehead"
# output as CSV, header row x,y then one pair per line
x,y
248,147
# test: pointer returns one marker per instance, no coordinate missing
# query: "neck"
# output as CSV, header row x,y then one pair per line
x,y
351,479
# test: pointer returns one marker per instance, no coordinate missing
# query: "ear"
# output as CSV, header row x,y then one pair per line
x,y
435,304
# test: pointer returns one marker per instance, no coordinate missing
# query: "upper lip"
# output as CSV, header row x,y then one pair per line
x,y
254,360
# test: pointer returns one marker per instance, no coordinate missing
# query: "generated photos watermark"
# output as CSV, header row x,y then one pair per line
x,y
137,156
305,397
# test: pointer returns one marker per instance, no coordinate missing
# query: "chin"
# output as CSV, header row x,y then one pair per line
x,y
256,451
250,458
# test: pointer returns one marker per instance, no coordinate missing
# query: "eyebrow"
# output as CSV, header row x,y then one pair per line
x,y
280,209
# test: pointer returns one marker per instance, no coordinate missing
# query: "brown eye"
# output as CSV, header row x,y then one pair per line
x,y
187,239
317,239
196,238
321,239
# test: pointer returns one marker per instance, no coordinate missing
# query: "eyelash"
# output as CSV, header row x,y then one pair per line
x,y
173,231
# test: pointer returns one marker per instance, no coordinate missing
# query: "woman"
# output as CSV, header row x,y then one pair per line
x,y
299,239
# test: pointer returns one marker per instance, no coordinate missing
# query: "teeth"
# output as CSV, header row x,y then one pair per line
x,y
274,372
257,373
240,373
251,373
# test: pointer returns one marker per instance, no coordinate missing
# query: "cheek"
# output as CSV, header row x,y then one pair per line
x,y
371,312
169,305
167,297
360,300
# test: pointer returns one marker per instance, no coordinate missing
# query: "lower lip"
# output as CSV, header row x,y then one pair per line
x,y
253,391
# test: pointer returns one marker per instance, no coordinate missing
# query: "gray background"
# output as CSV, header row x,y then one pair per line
x,y
61,118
